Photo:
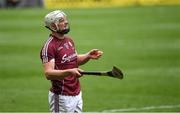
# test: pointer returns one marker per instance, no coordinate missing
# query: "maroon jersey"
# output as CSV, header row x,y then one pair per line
x,y
64,54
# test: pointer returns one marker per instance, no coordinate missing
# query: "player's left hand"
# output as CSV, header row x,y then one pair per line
x,y
95,54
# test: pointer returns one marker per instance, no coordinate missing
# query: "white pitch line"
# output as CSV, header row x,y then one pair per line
x,y
122,110
143,108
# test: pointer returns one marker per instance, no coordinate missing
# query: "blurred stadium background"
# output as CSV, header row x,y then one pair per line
x,y
83,3
142,37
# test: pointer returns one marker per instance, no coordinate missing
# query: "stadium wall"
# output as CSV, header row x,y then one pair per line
x,y
104,3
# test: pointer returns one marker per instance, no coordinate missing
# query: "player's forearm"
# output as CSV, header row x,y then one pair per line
x,y
83,58
52,74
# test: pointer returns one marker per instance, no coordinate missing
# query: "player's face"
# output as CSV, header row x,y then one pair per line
x,y
63,26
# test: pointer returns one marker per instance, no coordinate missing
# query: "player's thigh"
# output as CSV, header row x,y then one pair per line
x,y
53,102
61,103
79,103
58,103
73,103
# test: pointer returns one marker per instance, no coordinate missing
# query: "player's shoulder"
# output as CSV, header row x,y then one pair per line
x,y
49,41
68,38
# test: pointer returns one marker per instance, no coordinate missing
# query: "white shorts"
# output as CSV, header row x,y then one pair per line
x,y
65,104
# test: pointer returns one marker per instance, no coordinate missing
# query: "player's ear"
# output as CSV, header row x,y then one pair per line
x,y
53,26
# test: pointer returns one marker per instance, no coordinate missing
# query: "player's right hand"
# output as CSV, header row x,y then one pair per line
x,y
76,72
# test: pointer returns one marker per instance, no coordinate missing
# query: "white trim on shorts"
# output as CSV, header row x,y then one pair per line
x,y
65,104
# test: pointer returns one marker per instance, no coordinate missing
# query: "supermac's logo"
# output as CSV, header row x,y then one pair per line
x,y
69,58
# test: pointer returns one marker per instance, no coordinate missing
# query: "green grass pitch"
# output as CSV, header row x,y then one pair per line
x,y
143,41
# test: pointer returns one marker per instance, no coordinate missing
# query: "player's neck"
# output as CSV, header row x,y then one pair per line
x,y
59,36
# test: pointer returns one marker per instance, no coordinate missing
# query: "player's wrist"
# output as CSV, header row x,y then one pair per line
x,y
88,55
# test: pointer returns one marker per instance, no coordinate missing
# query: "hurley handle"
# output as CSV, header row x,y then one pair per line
x,y
90,73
